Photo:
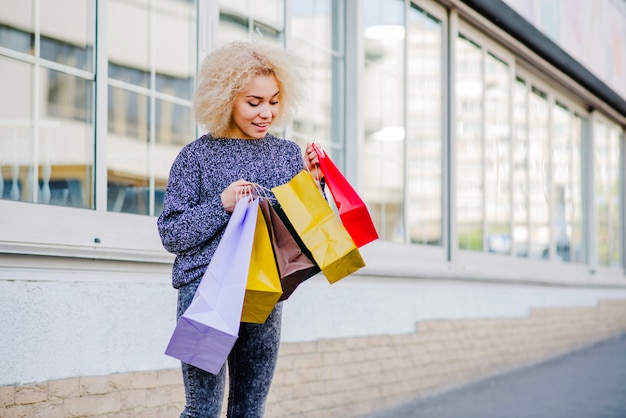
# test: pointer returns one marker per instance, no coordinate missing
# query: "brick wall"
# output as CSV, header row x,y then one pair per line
x,y
347,377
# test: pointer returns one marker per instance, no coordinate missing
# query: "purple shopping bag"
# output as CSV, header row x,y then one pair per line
x,y
207,330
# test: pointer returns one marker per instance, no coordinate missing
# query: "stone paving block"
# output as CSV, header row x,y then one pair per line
x,y
30,394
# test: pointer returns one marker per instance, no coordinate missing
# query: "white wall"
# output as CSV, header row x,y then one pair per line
x,y
67,317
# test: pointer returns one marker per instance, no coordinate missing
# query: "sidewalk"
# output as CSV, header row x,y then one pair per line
x,y
589,383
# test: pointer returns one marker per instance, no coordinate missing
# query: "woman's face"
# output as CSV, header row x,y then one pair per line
x,y
255,108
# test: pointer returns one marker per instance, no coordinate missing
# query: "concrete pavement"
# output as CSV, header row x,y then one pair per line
x,y
588,383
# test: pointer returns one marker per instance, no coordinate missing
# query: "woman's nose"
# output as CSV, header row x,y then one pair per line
x,y
265,111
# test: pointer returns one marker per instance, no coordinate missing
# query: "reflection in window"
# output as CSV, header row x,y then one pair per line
x,y
15,39
520,186
497,155
46,152
240,24
539,164
383,116
469,145
567,184
606,162
152,55
67,41
424,127
316,38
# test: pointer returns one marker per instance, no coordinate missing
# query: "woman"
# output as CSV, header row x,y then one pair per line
x,y
243,90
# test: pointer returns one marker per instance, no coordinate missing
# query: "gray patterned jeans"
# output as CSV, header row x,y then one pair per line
x,y
251,366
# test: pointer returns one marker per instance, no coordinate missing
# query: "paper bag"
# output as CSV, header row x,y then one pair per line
x,y
207,330
294,266
352,210
319,227
263,288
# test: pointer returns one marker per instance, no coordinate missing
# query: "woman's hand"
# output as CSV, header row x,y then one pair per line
x,y
310,157
235,191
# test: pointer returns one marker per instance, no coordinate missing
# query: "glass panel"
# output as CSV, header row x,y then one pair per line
x,y
270,13
128,39
424,128
574,193
566,151
127,152
69,44
16,25
539,175
313,40
175,55
161,60
383,115
66,151
174,124
231,28
606,151
16,129
521,220
174,129
497,156
469,146
49,160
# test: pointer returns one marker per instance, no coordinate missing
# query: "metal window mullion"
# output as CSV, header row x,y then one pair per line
x,y
152,113
550,186
591,225
101,105
405,118
452,229
622,199
529,223
511,101
36,96
445,181
338,98
354,64
483,140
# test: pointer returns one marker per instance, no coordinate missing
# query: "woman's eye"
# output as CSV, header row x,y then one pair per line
x,y
274,103
253,104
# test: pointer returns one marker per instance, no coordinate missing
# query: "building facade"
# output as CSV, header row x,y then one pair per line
x,y
486,137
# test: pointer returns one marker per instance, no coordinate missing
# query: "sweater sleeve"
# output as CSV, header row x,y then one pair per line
x,y
188,221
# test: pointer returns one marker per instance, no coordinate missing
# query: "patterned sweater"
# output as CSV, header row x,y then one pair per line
x,y
193,218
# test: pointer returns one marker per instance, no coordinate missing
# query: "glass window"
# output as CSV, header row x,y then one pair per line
x,y
424,127
383,116
539,174
68,44
152,61
469,145
497,155
316,28
17,26
567,184
47,154
519,169
606,163
520,155
240,19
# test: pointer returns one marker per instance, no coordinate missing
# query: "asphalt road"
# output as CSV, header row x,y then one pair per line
x,y
588,383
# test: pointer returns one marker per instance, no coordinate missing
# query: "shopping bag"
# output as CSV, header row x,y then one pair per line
x,y
263,288
352,210
294,266
319,227
206,332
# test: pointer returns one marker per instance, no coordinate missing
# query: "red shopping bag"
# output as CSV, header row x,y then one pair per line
x,y
352,210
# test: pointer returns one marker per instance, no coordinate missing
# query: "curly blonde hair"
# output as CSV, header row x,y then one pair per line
x,y
227,71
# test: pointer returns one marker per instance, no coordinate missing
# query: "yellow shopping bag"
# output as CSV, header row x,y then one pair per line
x,y
263,288
319,227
